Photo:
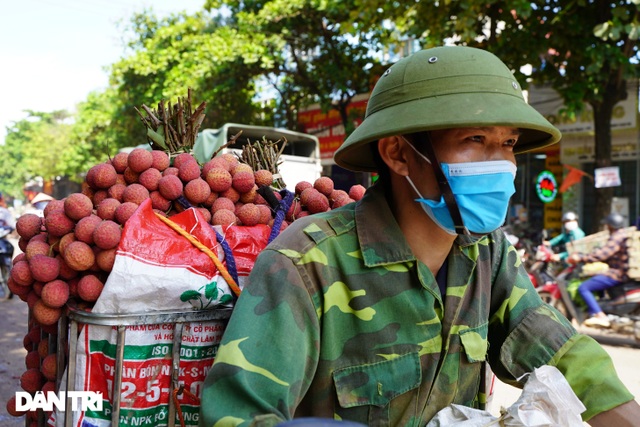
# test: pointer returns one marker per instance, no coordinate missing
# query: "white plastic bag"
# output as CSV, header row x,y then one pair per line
x,y
547,400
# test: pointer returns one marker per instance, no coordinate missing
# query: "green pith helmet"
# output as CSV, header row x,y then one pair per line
x,y
443,88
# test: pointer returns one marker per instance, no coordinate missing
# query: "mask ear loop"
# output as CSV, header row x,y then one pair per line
x,y
443,183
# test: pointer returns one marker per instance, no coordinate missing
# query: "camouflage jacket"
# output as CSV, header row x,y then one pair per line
x,y
339,320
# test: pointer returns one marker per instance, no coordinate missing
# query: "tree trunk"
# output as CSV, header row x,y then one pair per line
x,y
602,124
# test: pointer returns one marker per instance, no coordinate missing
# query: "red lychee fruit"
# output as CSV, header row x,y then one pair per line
x,y
324,184
114,192
49,386
150,178
160,160
49,367
216,162
248,214
301,186
53,205
189,170
106,258
99,196
139,160
231,193
170,171
336,194
356,192
231,158
58,223
21,274
31,380
101,176
120,161
43,345
77,206
65,240
107,234
135,193
170,187
263,177
44,268
181,159
206,215
35,247
107,208
55,293
294,210
317,203
79,256
197,191
36,287
241,167
243,181
84,227
218,179
66,272
124,212
28,225
306,195
130,176
158,202
32,359
342,201
12,408
224,218
212,198
21,291
265,214
223,203
44,314
19,257
90,287
249,196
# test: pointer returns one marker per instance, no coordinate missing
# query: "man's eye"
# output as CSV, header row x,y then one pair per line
x,y
511,142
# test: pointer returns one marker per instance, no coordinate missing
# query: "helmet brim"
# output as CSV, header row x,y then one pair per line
x,y
459,110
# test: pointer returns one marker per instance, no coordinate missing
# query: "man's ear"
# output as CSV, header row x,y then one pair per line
x,y
392,150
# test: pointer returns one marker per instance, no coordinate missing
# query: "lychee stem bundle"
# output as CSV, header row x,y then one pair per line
x,y
174,128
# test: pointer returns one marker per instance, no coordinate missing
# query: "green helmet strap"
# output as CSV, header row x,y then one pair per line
x,y
443,184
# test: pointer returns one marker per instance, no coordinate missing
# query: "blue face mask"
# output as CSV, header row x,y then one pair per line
x,y
482,191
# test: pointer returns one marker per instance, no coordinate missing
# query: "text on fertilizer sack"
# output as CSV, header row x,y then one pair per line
x,y
80,400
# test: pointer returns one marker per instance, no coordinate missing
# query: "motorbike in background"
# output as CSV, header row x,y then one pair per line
x,y
6,262
621,303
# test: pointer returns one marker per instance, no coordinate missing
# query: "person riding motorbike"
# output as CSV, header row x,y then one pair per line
x,y
7,225
614,253
571,231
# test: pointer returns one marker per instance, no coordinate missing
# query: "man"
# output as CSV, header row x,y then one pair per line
x,y
614,253
382,312
571,231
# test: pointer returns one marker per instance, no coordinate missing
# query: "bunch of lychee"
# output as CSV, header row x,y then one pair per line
x,y
69,252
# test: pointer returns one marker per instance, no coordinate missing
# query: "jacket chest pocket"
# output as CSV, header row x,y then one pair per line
x,y
374,385
473,353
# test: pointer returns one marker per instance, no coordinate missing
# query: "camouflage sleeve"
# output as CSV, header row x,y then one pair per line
x,y
525,333
269,350
598,387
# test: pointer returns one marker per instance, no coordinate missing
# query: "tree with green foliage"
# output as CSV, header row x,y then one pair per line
x,y
170,55
34,148
309,57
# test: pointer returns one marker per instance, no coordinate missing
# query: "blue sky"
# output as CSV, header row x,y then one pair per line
x,y
53,52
